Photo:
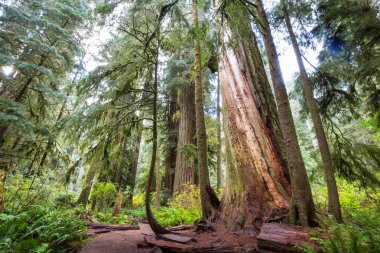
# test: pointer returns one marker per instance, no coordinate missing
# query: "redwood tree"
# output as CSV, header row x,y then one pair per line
x,y
333,197
303,209
257,183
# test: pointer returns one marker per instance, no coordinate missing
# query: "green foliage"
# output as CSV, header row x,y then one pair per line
x,y
167,216
189,198
40,229
361,230
107,218
104,193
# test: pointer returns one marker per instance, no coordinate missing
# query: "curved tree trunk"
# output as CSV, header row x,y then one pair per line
x,y
257,180
184,170
303,204
333,196
154,225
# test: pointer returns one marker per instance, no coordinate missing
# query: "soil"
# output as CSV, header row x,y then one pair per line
x,y
275,237
118,241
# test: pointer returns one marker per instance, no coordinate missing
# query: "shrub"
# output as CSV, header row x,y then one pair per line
x,y
104,193
40,229
109,219
167,216
189,198
138,200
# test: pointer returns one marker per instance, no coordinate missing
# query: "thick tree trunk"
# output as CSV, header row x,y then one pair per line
x,y
302,196
204,179
184,171
86,189
219,136
257,183
333,197
171,152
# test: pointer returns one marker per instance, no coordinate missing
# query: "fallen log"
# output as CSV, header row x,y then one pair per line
x,y
113,227
185,248
176,238
181,227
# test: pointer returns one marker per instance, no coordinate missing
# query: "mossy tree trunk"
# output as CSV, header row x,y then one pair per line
x,y
332,189
204,178
184,170
88,183
257,179
303,210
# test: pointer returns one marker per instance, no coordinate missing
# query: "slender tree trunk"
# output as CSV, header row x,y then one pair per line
x,y
86,190
302,196
257,184
204,179
218,131
158,183
171,152
333,197
154,225
131,177
184,172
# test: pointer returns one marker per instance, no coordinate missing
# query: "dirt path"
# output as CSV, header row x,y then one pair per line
x,y
118,241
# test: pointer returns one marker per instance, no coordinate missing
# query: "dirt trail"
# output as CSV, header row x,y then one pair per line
x,y
118,241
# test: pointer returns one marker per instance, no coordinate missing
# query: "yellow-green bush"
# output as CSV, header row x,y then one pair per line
x,y
188,199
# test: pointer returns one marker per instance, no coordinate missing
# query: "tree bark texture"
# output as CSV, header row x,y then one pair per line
x,y
171,152
219,136
204,178
333,196
158,183
86,190
302,196
257,183
132,171
184,170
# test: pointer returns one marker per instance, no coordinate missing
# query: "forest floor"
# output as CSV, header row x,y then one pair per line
x,y
118,241
278,235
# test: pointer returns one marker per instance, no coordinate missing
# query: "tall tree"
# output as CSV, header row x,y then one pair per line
x,y
303,209
333,197
204,178
219,136
185,168
172,135
257,185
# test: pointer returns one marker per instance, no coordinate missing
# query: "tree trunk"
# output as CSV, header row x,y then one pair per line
x,y
131,178
333,197
257,184
154,225
86,190
184,171
302,196
218,132
158,183
117,206
171,152
204,179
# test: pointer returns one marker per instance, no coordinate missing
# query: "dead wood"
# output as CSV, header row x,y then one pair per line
x,y
181,227
175,238
113,227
